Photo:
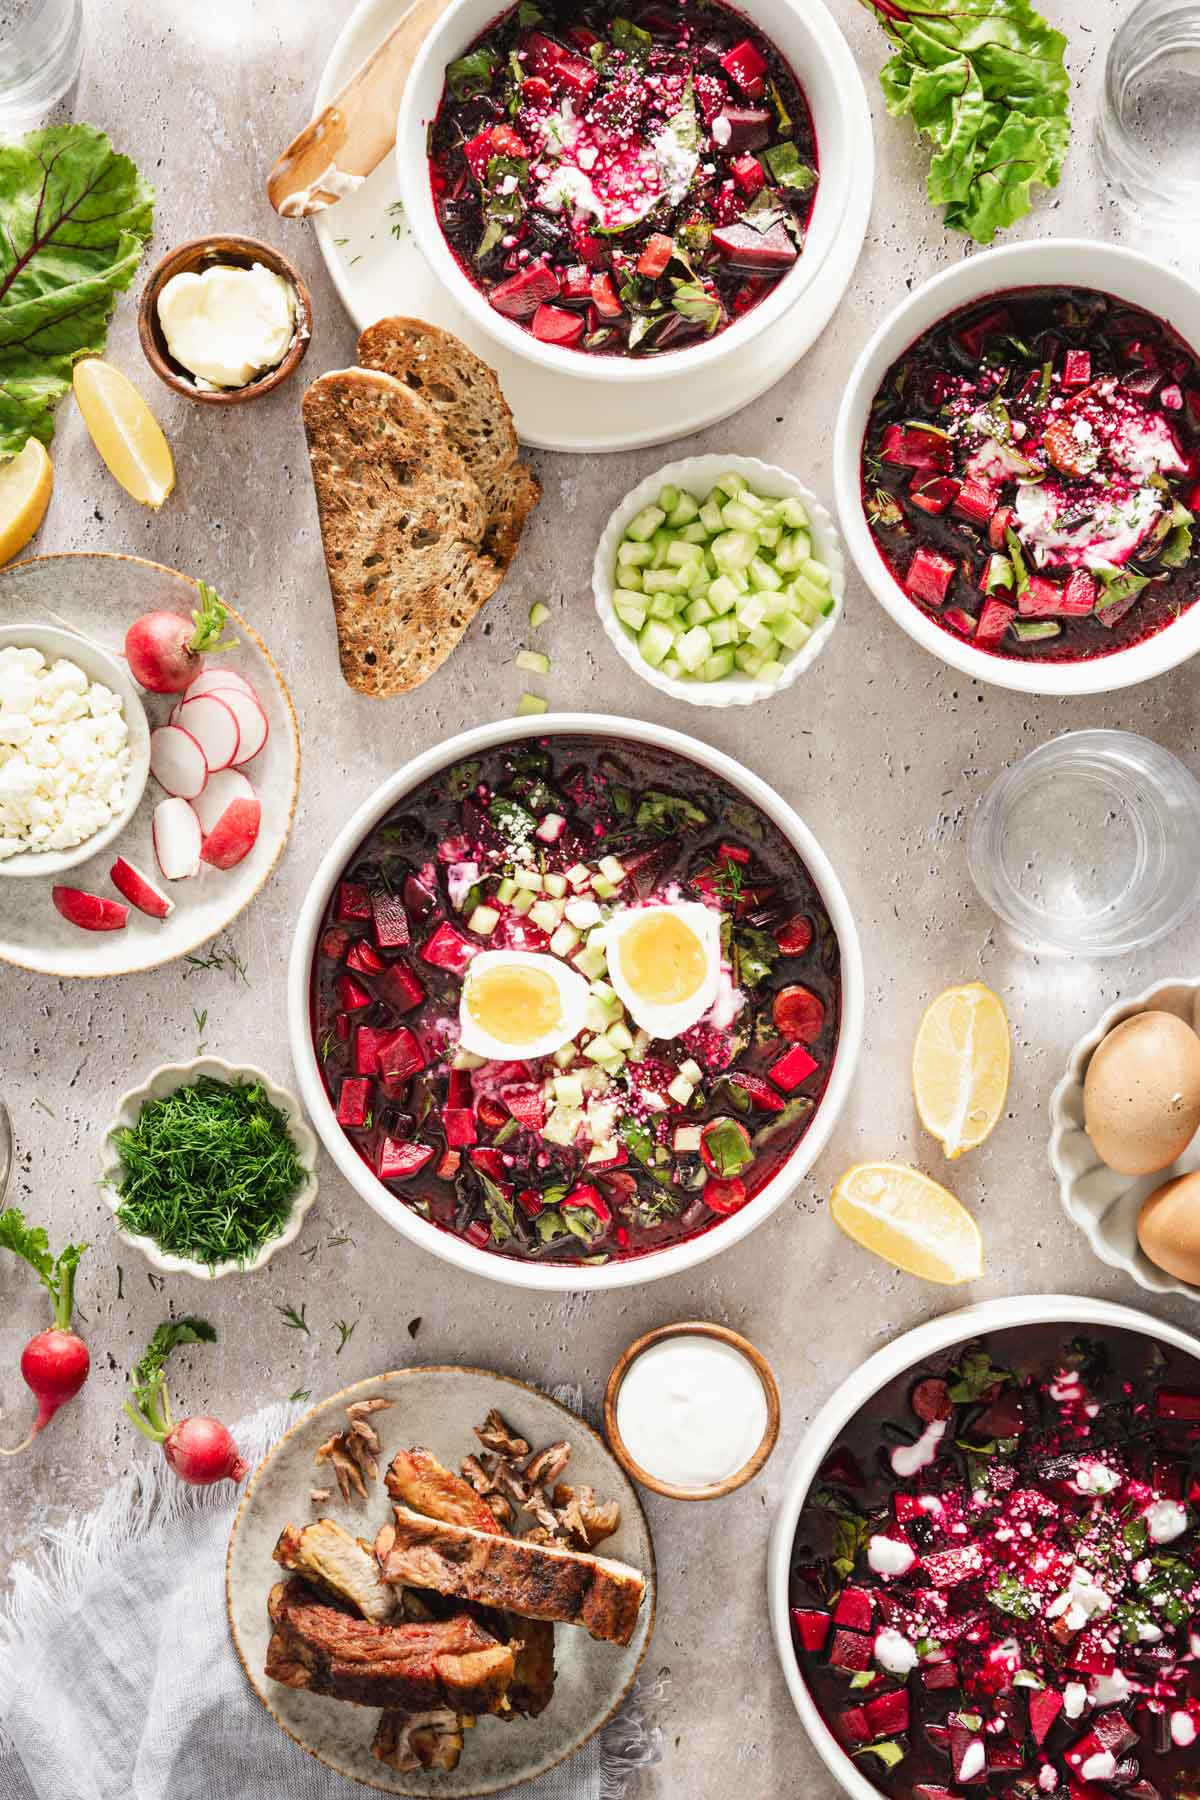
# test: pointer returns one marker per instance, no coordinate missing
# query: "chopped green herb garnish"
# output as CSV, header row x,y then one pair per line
x,y
345,1333
209,1172
296,1320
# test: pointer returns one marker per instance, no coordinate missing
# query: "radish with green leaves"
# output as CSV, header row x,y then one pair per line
x,y
55,1363
201,1450
163,649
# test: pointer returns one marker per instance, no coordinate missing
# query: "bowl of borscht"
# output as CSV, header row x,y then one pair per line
x,y
983,1574
574,1001
1017,465
625,192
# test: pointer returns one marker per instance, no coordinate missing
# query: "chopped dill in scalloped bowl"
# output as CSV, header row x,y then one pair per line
x,y
212,1172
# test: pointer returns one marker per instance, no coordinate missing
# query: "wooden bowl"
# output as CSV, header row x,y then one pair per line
x,y
192,259
693,1328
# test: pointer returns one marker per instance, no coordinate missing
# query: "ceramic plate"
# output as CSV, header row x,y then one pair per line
x,y
437,1408
378,269
101,594
1104,1204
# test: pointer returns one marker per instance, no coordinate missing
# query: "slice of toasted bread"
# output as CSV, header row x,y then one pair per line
x,y
467,397
402,524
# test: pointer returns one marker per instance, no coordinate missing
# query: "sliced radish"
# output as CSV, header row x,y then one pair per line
x,y
252,722
177,839
226,786
89,911
177,761
211,679
214,726
233,836
139,890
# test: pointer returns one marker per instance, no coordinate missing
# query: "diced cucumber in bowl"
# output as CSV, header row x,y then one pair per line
x,y
710,578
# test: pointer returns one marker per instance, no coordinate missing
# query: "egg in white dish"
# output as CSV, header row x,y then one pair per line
x,y
519,1003
664,961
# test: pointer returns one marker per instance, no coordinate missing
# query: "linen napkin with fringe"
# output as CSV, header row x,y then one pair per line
x,y
118,1680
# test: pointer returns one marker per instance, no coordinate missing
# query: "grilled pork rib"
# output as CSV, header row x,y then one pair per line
x,y
535,1581
452,1663
338,1564
429,1740
417,1479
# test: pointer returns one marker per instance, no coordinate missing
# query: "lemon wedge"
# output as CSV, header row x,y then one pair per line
x,y
960,1066
903,1216
25,484
124,431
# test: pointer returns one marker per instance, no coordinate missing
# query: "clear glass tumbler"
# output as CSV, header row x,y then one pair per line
x,y
1090,844
1149,125
41,44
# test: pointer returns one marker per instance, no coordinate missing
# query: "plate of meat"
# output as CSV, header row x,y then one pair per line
x,y
440,1582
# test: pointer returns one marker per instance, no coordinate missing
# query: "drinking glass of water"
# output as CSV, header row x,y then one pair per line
x,y
1090,844
1150,112
41,43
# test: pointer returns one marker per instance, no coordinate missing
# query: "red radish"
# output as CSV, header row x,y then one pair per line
x,y
200,1450
251,719
223,788
91,912
214,726
139,890
177,761
55,1363
163,649
210,681
177,839
233,836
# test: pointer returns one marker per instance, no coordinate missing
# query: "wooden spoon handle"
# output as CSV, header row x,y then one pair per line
x,y
338,149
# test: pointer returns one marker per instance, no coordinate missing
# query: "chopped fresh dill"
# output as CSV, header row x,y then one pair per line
x,y
48,1110
345,1333
301,1394
296,1320
222,956
209,1172
201,1018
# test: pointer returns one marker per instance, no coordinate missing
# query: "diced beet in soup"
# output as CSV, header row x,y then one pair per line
x,y
1039,452
620,995
623,180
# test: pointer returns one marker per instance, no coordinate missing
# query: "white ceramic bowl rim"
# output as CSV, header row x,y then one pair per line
x,y
699,473
905,1352
822,61
166,1079
1136,1263
446,1244
1043,262
55,641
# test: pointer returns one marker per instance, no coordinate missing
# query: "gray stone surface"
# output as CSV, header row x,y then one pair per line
x,y
881,749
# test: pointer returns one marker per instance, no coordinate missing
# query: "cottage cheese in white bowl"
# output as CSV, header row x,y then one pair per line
x,y
74,749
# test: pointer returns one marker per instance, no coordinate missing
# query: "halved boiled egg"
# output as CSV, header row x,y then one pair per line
x,y
518,1003
665,963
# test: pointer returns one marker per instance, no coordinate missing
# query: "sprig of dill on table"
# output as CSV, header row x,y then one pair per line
x,y
209,1172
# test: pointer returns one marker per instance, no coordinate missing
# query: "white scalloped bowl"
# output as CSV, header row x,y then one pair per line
x,y
908,1351
164,1081
1104,1204
697,474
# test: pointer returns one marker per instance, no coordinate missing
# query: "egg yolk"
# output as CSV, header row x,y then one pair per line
x,y
514,1005
662,958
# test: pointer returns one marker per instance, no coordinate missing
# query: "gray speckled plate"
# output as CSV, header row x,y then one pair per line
x,y
439,1408
101,593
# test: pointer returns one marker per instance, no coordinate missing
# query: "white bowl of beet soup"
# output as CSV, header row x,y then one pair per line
x,y
575,1001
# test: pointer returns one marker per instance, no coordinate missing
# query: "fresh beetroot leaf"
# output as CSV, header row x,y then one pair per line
x,y
200,1450
164,650
55,1363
